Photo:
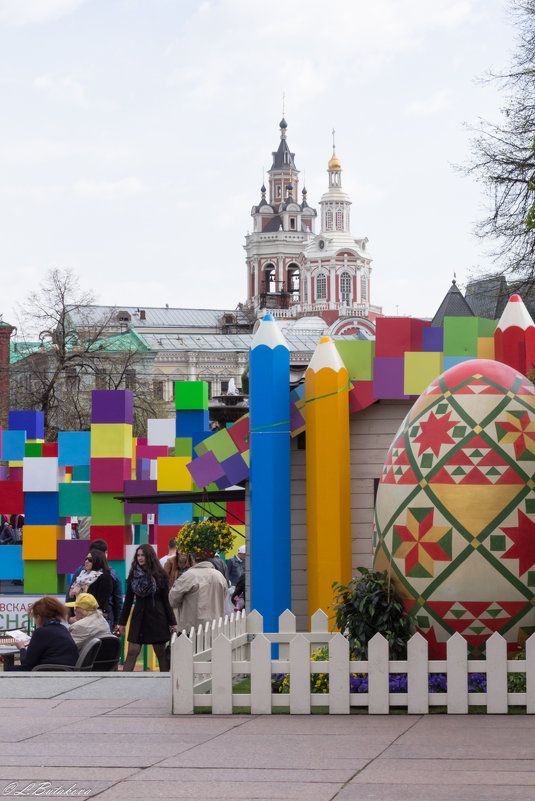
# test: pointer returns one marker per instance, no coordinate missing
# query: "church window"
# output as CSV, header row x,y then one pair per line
x,y
278,191
328,220
364,289
321,287
292,223
345,288
305,290
339,219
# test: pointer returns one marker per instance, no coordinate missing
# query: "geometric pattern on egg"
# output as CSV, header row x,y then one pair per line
x,y
455,510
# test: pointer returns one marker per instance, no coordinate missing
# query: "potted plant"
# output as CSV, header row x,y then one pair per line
x,y
205,538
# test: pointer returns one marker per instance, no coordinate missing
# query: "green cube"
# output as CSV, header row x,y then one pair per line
x,y
357,355
106,510
122,568
191,395
33,449
460,336
183,446
222,445
41,577
486,328
80,472
75,499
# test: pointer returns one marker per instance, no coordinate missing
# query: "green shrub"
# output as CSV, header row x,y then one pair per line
x,y
369,605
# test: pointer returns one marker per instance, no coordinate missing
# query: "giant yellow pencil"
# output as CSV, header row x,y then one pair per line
x,y
327,473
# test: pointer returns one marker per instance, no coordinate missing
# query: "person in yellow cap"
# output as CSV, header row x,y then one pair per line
x,y
89,623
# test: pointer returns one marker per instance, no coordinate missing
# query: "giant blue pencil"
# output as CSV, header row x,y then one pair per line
x,y
269,413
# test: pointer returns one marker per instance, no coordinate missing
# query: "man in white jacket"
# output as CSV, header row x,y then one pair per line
x,y
198,595
89,623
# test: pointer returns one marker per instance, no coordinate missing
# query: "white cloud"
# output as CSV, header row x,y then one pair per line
x,y
439,101
31,12
109,190
61,88
42,151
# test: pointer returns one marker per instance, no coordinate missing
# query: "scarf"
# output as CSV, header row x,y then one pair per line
x,y
86,578
141,584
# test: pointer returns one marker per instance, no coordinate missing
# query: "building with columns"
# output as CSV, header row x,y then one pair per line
x,y
294,272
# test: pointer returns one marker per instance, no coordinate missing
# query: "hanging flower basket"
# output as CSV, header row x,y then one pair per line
x,y
205,538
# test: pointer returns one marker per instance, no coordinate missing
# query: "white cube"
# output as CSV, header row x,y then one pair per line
x,y
40,474
161,432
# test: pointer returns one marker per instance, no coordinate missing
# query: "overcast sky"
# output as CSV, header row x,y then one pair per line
x,y
134,132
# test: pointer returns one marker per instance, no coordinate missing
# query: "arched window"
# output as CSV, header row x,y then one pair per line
x,y
339,219
321,287
269,278
345,288
305,289
293,279
364,288
329,220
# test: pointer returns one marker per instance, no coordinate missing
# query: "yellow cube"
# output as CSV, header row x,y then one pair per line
x,y
40,542
420,370
173,475
485,348
111,440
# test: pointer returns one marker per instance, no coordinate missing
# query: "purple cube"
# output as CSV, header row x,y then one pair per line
x,y
71,554
389,378
112,406
433,339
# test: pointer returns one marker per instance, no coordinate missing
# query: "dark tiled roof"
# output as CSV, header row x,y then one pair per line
x,y
273,224
453,305
487,296
282,161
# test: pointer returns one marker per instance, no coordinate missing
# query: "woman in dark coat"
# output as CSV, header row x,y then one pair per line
x,y
51,643
102,588
152,618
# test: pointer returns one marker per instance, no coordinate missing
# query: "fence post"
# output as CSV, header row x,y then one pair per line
x,y
338,675
496,650
319,621
261,676
378,701
530,675
417,675
299,676
221,676
254,622
182,700
287,625
457,675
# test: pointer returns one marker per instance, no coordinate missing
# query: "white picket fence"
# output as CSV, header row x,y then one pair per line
x,y
206,664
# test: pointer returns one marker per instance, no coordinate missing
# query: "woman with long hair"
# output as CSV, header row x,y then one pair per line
x,y
51,643
96,580
152,618
176,565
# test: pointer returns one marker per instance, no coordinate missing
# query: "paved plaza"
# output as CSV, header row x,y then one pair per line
x,y
134,749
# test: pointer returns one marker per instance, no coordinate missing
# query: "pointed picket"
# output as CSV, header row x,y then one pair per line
x,y
200,639
496,650
338,675
254,622
378,703
222,676
417,675
287,622
261,676
530,675
457,660
299,676
319,622
182,701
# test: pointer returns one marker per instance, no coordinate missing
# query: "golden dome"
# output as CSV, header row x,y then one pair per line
x,y
334,163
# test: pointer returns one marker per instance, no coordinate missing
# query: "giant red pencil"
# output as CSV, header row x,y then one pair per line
x,y
514,338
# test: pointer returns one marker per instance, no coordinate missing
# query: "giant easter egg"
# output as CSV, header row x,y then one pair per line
x,y
455,511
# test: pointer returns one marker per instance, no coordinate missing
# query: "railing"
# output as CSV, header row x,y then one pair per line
x,y
237,648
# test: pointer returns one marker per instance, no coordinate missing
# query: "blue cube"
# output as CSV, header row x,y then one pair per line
x,y
174,514
41,508
74,447
191,422
13,445
11,564
33,423
432,339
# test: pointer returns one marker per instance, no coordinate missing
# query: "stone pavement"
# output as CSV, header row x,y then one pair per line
x,y
134,749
